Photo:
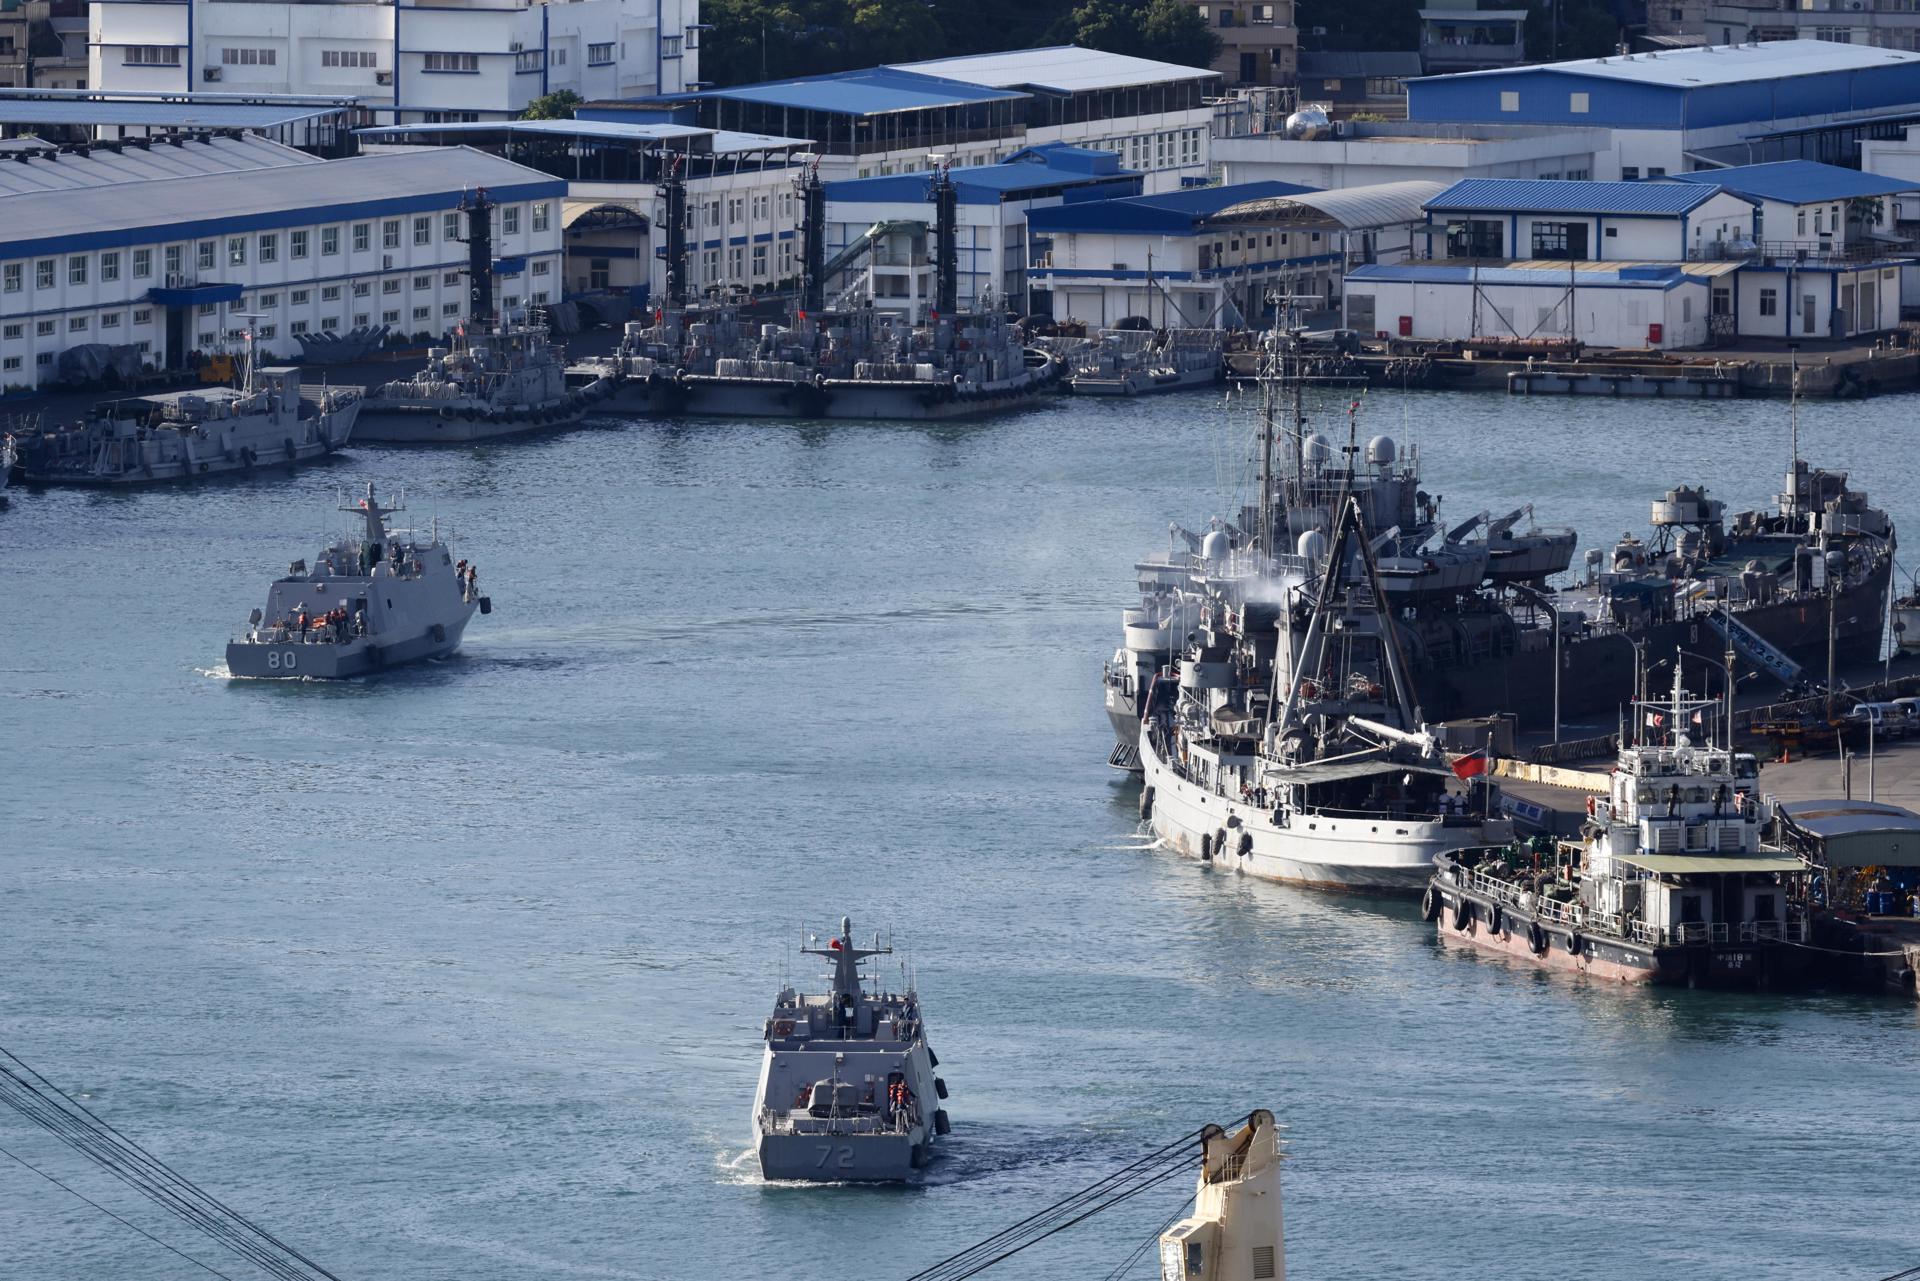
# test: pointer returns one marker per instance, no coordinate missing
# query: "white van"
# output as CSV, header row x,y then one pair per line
x,y
1889,720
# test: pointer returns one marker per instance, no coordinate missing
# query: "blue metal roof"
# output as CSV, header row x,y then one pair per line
x,y
1174,213
875,91
1797,182
1545,195
1049,167
28,108
1663,277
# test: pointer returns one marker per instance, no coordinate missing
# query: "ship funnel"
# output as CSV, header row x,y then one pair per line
x,y
1235,1232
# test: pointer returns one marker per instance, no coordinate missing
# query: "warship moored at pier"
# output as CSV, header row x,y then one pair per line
x,y
370,602
270,420
1140,362
847,1087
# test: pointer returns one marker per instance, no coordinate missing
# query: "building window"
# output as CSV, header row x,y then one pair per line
x,y
449,308
147,55
347,58
423,282
248,57
600,55
1509,100
390,234
76,324
1560,240
361,289
297,244
236,251
329,293
390,317
1722,301
174,255
450,227
110,321
1577,103
669,46
77,270
12,364
460,63
451,278
142,263
143,315
12,277
390,286
267,300
542,267
1630,173
301,297
269,249
329,241
14,331
361,319
43,328
43,277
759,262
529,60
1769,302
542,215
510,220
293,327
423,231
329,322
557,57
1656,171
422,313
736,262
109,267
362,237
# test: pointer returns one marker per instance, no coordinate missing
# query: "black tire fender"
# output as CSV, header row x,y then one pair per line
x,y
1146,804
1430,905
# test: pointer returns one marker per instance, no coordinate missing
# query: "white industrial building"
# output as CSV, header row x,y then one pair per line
x,y
741,192
1351,153
894,266
168,263
1628,264
978,110
458,60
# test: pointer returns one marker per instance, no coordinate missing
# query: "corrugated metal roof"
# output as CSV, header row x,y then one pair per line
x,y
1797,182
1173,213
1061,68
724,141
17,109
875,91
1385,204
187,207
1608,275
1051,166
1856,833
1543,195
1719,64
103,167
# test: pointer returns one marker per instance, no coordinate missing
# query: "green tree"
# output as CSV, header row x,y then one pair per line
x,y
1360,24
1165,30
558,105
880,31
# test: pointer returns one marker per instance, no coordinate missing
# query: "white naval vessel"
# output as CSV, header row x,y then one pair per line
x,y
1286,742
370,602
847,1086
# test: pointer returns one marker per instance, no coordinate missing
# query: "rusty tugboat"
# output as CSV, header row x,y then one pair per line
x,y
1668,885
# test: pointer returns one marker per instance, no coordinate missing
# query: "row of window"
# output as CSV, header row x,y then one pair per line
x,y
738,263
249,57
152,55
349,58
761,206
264,248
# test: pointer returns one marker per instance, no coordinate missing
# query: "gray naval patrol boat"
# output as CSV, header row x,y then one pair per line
x,y
847,1090
369,602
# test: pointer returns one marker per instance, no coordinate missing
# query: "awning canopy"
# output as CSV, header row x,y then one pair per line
x,y
1682,864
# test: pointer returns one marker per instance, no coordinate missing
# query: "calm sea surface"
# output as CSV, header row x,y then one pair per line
x,y
460,974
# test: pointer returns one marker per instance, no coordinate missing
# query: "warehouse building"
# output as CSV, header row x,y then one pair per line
x,y
1354,153
877,228
742,210
169,264
1155,116
1678,110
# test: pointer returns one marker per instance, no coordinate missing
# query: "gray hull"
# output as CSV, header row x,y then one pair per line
x,y
294,660
851,1158
841,399
170,472
386,424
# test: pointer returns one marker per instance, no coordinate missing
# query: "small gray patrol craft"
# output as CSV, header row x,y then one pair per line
x,y
369,602
847,1090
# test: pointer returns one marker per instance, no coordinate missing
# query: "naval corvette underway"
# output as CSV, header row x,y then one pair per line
x,y
371,602
847,1090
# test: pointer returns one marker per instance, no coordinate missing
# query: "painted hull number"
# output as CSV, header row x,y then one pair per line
x,y
283,660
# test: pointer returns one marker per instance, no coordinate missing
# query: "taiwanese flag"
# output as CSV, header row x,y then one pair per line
x,y
1472,765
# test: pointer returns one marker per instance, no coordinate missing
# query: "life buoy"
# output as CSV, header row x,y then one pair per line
x,y
1146,804
1430,905
1575,944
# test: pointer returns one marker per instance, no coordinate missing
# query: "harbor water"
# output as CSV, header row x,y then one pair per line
x,y
461,973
